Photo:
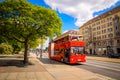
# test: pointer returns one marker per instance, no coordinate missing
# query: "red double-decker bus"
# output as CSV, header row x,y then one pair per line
x,y
68,49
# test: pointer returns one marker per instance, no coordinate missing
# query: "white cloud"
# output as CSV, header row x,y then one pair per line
x,y
82,10
65,31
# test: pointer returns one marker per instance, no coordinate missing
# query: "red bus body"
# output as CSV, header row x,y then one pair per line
x,y
67,51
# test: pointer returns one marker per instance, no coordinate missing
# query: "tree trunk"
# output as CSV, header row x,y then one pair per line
x,y
25,53
41,51
13,51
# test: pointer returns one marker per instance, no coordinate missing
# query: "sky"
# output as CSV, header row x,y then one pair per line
x,y
74,13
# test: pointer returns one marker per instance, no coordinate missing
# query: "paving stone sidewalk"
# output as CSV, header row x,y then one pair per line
x,y
14,69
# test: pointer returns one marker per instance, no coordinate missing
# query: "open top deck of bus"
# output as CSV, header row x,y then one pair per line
x,y
68,37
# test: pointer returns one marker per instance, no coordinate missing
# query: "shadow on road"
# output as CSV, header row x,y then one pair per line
x,y
49,61
77,64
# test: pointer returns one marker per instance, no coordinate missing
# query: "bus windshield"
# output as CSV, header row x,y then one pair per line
x,y
77,50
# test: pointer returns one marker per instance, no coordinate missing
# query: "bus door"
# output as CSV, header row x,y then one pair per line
x,y
67,55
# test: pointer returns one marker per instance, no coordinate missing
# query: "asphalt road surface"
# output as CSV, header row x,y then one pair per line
x,y
104,68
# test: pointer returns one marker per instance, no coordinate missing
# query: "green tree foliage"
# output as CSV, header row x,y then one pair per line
x,y
24,22
17,46
5,48
34,44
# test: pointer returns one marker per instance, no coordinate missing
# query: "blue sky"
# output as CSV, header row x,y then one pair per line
x,y
74,13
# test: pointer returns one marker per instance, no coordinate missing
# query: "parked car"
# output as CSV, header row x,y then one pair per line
x,y
114,55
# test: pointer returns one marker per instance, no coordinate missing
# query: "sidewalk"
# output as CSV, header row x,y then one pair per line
x,y
45,69
14,69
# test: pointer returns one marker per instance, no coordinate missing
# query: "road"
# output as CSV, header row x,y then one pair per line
x,y
100,67
104,68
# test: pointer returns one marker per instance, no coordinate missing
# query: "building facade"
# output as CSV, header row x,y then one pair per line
x,y
102,33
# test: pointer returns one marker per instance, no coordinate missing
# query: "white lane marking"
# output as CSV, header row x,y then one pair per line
x,y
103,67
105,64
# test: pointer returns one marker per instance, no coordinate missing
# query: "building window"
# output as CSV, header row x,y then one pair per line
x,y
94,38
110,18
103,31
117,34
94,34
110,42
104,20
107,19
118,41
98,28
98,32
116,27
104,43
97,23
99,43
94,29
110,35
116,19
110,29
103,36
110,24
103,26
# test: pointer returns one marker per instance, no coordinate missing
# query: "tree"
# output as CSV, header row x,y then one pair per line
x,y
17,46
42,41
5,48
24,22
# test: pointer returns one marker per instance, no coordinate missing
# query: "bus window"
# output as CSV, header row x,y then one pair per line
x,y
56,51
61,51
77,50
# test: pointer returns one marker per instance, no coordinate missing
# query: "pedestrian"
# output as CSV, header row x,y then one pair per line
x,y
37,53
41,54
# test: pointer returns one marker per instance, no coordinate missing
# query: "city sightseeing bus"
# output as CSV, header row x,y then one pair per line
x,y
68,49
